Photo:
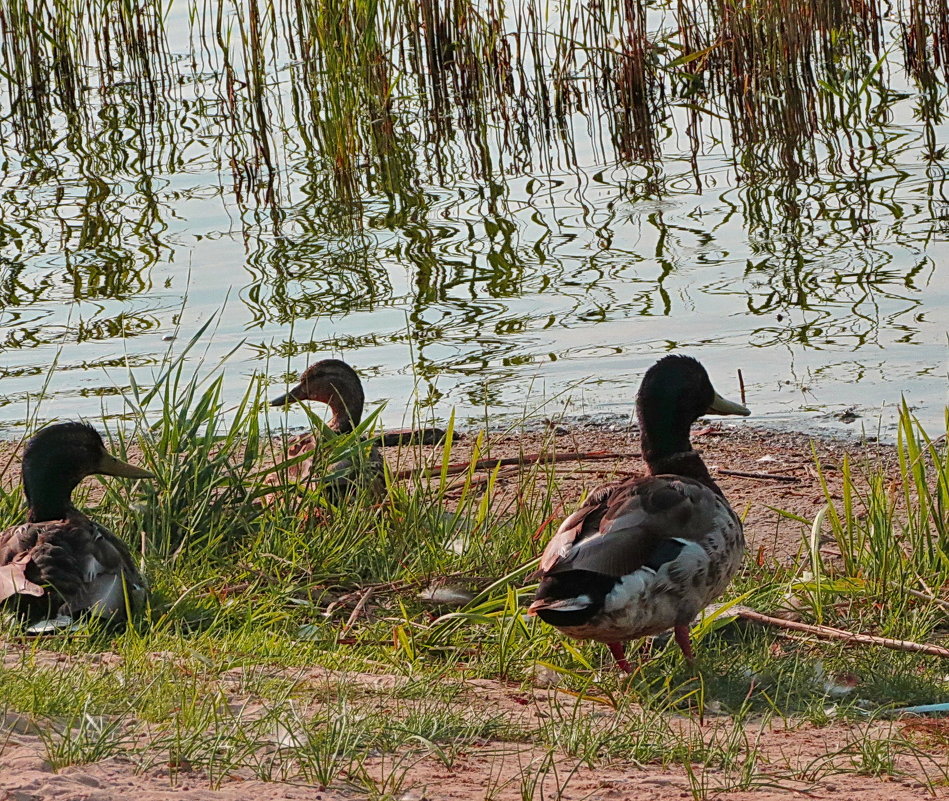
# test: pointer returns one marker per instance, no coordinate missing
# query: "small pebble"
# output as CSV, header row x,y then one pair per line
x,y
18,724
543,676
446,595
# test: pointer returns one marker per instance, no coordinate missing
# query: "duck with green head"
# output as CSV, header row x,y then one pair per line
x,y
646,555
61,564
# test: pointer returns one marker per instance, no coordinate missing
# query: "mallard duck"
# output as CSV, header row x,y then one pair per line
x,y
60,564
647,554
335,383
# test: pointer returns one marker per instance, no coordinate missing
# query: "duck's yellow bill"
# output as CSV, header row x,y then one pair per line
x,y
722,406
110,466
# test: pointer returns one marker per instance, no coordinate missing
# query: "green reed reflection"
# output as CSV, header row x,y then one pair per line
x,y
476,177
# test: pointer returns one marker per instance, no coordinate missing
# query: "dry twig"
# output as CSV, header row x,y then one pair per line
x,y
358,609
830,633
531,458
760,476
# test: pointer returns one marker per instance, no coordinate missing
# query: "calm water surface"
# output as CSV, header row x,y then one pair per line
x,y
469,249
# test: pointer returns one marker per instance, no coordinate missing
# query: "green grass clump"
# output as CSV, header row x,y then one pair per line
x,y
891,532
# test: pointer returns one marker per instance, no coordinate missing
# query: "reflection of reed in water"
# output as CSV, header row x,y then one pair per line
x,y
88,116
421,155
772,70
382,93
925,28
308,276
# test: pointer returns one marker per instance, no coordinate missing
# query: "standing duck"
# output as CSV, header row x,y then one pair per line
x,y
61,564
335,383
647,554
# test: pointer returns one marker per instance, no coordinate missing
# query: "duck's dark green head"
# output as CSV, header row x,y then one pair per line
x,y
674,393
333,382
57,458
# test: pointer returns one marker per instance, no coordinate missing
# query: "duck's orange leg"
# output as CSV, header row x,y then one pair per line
x,y
619,654
683,641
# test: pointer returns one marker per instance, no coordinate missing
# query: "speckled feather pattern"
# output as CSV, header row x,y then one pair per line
x,y
339,477
82,566
649,601
625,533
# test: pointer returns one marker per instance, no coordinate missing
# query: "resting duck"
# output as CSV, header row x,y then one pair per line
x,y
649,553
60,564
335,383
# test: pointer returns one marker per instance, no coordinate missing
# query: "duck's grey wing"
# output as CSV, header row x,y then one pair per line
x,y
364,469
110,583
81,564
583,523
642,522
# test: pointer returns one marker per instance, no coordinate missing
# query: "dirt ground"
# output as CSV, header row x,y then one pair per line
x,y
782,476
496,770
